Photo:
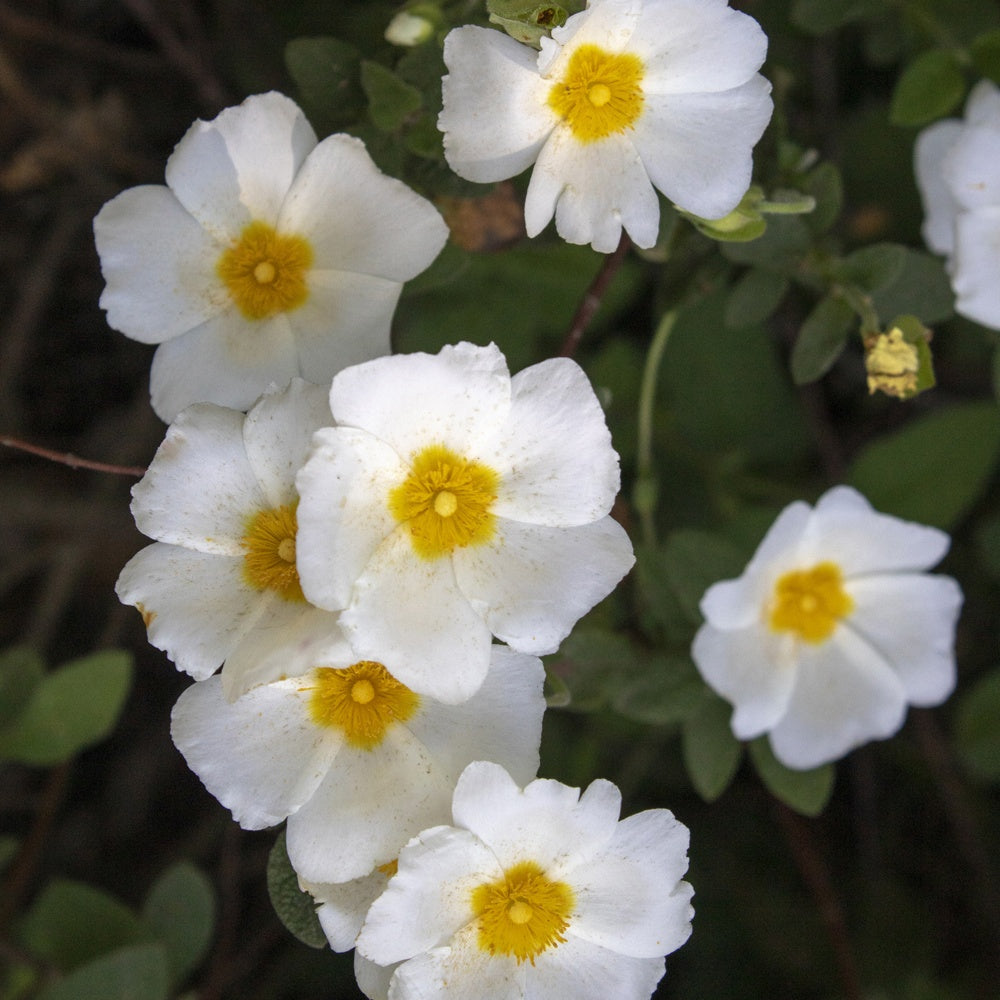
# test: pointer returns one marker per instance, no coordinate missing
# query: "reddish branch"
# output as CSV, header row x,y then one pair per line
x,y
73,461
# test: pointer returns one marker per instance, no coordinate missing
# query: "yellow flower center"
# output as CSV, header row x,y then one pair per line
x,y
269,563
363,700
809,602
446,502
265,272
523,913
601,93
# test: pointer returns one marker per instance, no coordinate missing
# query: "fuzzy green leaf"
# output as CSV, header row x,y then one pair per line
x,y
921,288
327,72
665,692
930,87
391,100
986,55
296,909
180,912
755,297
21,669
138,973
806,792
822,339
817,17
711,753
977,735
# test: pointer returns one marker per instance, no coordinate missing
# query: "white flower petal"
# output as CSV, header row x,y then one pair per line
x,y
584,971
373,980
454,398
750,667
911,620
344,905
367,807
697,148
197,607
260,756
238,167
629,897
969,168
940,206
343,512
480,144
409,612
845,695
976,265
155,296
532,582
371,223
544,481
204,445
595,189
983,104
227,360
430,896
608,24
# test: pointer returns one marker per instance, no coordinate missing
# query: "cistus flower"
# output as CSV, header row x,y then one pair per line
x,y
219,584
451,501
265,257
627,96
540,892
957,163
832,630
357,762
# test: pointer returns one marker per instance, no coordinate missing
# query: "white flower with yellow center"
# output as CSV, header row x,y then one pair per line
x,y
265,257
539,892
220,584
356,761
832,630
452,501
958,173
627,96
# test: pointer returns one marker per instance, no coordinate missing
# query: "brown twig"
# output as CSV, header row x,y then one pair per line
x,y
593,297
73,461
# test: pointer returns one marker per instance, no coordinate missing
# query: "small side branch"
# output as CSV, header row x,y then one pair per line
x,y
73,461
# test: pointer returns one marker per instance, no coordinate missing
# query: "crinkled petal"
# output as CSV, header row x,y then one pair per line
x,y
430,897
344,905
697,148
983,104
483,141
750,667
584,971
343,512
531,583
238,167
358,219
910,619
409,612
550,823
373,980
594,189
554,450
196,606
261,756
975,270
199,489
845,694
277,435
970,167
411,401
501,722
608,24
368,806
228,360
629,897
940,207
158,264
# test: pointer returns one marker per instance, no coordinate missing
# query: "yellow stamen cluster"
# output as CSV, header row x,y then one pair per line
x,y
265,271
269,563
363,700
446,502
522,914
600,93
810,602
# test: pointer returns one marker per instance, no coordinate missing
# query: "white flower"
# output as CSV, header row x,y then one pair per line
x,y
958,173
355,760
266,256
220,584
628,95
533,893
832,629
451,502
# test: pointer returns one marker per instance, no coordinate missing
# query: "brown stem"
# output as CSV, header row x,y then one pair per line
x,y
593,297
73,461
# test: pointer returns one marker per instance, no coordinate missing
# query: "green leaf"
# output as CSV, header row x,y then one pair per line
x,y
9,846
327,72
817,17
391,100
755,297
825,184
977,734
711,753
806,792
296,909
21,668
590,663
934,468
988,543
874,267
986,55
138,973
180,912
73,707
930,87
822,339
784,241
71,923
921,288
665,692
694,560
